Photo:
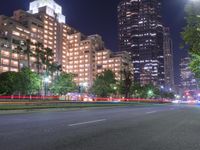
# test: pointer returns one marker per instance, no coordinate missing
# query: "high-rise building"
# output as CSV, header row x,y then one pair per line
x,y
188,81
84,56
141,34
168,58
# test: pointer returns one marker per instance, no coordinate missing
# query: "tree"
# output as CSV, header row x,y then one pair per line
x,y
195,64
105,84
136,90
9,82
191,34
38,55
150,91
47,58
126,82
63,84
28,51
30,82
55,67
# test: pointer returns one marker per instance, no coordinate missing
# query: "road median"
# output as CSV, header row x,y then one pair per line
x,y
30,105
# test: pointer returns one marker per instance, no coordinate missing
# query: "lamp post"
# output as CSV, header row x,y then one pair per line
x,y
46,82
83,86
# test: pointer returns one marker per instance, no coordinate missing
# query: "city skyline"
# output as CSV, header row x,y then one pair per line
x,y
75,13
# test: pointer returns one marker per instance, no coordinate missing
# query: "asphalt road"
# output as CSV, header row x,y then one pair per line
x,y
124,128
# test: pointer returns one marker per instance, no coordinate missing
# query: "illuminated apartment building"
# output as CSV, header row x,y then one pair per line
x,y
14,33
84,56
43,23
79,58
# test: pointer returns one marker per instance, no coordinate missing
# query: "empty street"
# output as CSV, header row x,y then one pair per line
x,y
157,127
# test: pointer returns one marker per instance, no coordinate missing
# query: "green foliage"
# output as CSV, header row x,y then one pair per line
x,y
38,55
25,82
150,91
63,84
8,83
136,90
105,84
195,64
29,82
28,51
55,67
126,83
146,91
191,35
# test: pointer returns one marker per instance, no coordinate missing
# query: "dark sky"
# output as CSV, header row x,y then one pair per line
x,y
100,16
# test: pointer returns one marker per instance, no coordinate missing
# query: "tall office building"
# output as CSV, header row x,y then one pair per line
x,y
84,56
188,81
168,58
141,34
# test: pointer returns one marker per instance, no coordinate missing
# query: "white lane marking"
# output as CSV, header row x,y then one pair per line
x,y
151,112
88,122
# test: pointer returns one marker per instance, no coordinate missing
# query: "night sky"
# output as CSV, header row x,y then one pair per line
x,y
100,17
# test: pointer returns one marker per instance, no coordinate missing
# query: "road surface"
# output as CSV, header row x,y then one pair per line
x,y
167,127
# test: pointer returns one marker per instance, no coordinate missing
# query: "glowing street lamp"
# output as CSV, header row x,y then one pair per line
x,y
46,82
83,86
150,93
46,79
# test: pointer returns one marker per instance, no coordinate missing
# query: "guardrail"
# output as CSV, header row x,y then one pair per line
x,y
14,97
64,98
134,100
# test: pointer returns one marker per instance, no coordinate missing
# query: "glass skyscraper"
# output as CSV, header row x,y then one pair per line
x,y
141,34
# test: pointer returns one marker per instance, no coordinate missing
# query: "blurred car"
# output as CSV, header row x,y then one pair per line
x,y
176,101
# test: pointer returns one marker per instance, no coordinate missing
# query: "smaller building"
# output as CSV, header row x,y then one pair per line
x,y
116,62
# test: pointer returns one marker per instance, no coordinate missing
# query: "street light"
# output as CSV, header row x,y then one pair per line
x,y
162,87
82,86
46,81
150,93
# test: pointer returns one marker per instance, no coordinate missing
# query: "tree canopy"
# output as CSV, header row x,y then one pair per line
x,y
104,84
191,35
25,82
29,82
8,83
63,84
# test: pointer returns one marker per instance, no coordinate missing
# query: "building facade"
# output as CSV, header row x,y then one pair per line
x,y
168,58
188,81
141,34
84,56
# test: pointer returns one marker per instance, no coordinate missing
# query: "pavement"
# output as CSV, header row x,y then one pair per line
x,y
161,127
